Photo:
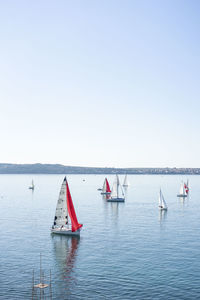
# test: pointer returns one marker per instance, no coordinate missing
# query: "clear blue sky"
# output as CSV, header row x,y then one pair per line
x,y
100,83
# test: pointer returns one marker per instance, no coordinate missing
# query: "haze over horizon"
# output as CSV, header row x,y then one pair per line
x,y
100,83
85,166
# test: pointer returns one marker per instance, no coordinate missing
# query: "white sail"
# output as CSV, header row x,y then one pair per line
x,y
32,184
104,187
160,199
162,202
61,215
114,192
125,181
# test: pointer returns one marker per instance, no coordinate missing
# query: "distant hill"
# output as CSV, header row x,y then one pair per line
x,y
60,169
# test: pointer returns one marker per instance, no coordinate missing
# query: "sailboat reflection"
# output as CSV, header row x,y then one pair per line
x,y
65,249
106,197
162,216
115,209
111,209
183,201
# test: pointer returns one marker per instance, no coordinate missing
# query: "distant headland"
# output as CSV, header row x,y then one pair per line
x,y
6,168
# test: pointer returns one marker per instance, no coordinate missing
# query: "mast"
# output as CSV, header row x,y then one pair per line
x,y
117,186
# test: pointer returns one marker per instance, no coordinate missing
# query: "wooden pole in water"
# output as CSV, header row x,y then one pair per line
x,y
50,286
33,286
40,275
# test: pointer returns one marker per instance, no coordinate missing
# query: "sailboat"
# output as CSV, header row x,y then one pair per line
x,y
126,183
162,204
64,211
183,192
106,188
116,194
31,187
186,187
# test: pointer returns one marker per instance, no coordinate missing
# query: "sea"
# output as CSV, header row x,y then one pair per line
x,y
127,250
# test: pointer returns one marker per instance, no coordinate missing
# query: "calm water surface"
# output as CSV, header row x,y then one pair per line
x,y
126,251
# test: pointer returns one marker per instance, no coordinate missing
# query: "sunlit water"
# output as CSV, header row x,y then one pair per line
x,y
126,251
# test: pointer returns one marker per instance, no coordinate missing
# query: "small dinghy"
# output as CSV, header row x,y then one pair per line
x,y
162,204
32,186
65,211
106,188
117,194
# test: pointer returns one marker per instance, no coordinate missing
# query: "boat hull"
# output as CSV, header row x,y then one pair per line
x,y
65,232
182,196
116,200
105,193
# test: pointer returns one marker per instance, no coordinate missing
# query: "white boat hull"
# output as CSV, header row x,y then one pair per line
x,y
116,200
65,232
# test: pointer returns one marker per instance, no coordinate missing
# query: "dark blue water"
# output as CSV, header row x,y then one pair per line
x,y
126,251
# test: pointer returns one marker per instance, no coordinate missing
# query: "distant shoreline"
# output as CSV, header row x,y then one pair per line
x,y
6,168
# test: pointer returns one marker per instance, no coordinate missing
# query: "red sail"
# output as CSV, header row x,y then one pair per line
x,y
71,211
107,187
186,188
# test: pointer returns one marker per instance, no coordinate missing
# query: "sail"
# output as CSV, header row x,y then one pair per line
x,y
160,199
115,188
107,186
32,184
114,193
71,210
187,183
164,204
125,181
186,188
104,186
182,192
61,215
